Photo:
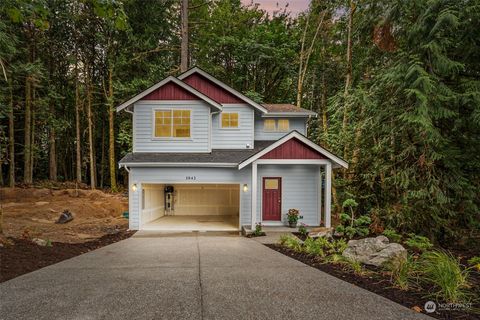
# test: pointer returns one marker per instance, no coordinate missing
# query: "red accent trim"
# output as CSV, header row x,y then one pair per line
x,y
210,89
170,91
272,201
293,149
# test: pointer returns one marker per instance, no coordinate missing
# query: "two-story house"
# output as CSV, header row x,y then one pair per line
x,y
206,157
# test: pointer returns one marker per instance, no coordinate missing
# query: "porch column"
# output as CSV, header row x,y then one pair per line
x,y
254,194
328,194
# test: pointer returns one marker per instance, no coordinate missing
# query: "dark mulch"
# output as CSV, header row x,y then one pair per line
x,y
376,282
23,256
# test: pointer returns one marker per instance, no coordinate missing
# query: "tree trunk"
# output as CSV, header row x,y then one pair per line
x,y
53,154
348,76
184,36
27,168
102,158
77,127
306,57
111,133
323,106
300,63
11,141
90,134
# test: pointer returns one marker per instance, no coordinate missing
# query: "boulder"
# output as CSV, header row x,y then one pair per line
x,y
328,233
375,251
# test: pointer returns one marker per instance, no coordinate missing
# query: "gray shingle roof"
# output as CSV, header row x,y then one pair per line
x,y
216,156
286,108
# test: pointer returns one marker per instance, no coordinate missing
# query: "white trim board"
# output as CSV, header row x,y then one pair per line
x,y
294,134
223,86
182,84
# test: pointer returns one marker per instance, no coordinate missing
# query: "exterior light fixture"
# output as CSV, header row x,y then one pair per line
x,y
134,187
245,187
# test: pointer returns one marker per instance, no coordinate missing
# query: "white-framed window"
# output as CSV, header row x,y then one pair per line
x,y
283,125
269,125
172,123
229,120
272,125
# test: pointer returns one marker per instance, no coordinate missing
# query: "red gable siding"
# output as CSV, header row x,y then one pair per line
x,y
170,91
293,149
210,89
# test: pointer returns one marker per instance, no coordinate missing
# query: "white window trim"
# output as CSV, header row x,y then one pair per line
x,y
275,123
171,138
287,130
228,128
276,126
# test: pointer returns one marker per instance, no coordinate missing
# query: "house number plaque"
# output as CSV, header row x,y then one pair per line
x,y
190,178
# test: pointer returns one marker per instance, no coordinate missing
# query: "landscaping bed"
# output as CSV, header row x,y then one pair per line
x,y
378,280
20,256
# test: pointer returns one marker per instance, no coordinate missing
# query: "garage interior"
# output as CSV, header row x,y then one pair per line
x,y
190,207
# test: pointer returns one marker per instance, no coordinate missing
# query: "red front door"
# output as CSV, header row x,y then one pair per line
x,y
272,199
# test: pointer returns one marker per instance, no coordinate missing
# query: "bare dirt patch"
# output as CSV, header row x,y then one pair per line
x,y
20,256
32,212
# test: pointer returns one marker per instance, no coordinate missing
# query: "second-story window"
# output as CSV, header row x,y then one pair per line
x,y
269,125
283,125
229,120
172,123
272,125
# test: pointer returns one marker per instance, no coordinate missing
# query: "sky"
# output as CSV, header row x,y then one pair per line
x,y
294,6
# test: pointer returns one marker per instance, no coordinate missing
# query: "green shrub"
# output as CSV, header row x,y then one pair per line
x,y
291,242
403,271
475,262
258,230
351,226
392,235
353,265
314,246
444,272
419,243
302,229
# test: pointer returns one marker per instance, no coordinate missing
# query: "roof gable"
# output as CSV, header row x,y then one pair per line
x,y
172,90
210,89
243,98
293,149
287,150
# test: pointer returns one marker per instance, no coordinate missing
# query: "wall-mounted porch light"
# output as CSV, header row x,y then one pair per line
x,y
134,187
245,187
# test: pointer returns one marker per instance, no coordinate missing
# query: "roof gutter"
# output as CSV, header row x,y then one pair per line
x,y
290,114
180,164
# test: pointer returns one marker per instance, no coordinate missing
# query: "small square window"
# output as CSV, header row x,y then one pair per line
x,y
229,120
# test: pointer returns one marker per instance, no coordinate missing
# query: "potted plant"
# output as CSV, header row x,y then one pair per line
x,y
292,216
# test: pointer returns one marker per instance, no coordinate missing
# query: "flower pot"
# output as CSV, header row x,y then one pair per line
x,y
292,224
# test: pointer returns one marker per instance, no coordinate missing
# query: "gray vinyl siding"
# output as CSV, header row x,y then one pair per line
x,y
233,138
295,124
144,141
174,175
300,190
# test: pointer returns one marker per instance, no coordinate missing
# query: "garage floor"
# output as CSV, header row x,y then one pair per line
x,y
194,223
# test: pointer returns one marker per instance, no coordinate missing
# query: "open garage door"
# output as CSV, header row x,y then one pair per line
x,y
190,207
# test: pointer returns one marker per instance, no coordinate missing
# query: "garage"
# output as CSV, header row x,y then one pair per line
x,y
190,207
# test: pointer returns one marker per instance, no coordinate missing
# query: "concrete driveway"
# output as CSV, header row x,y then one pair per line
x,y
189,277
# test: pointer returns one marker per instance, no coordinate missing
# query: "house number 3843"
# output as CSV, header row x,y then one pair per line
x,y
190,178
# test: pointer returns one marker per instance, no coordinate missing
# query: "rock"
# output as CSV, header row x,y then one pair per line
x,y
65,217
39,242
321,234
375,251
